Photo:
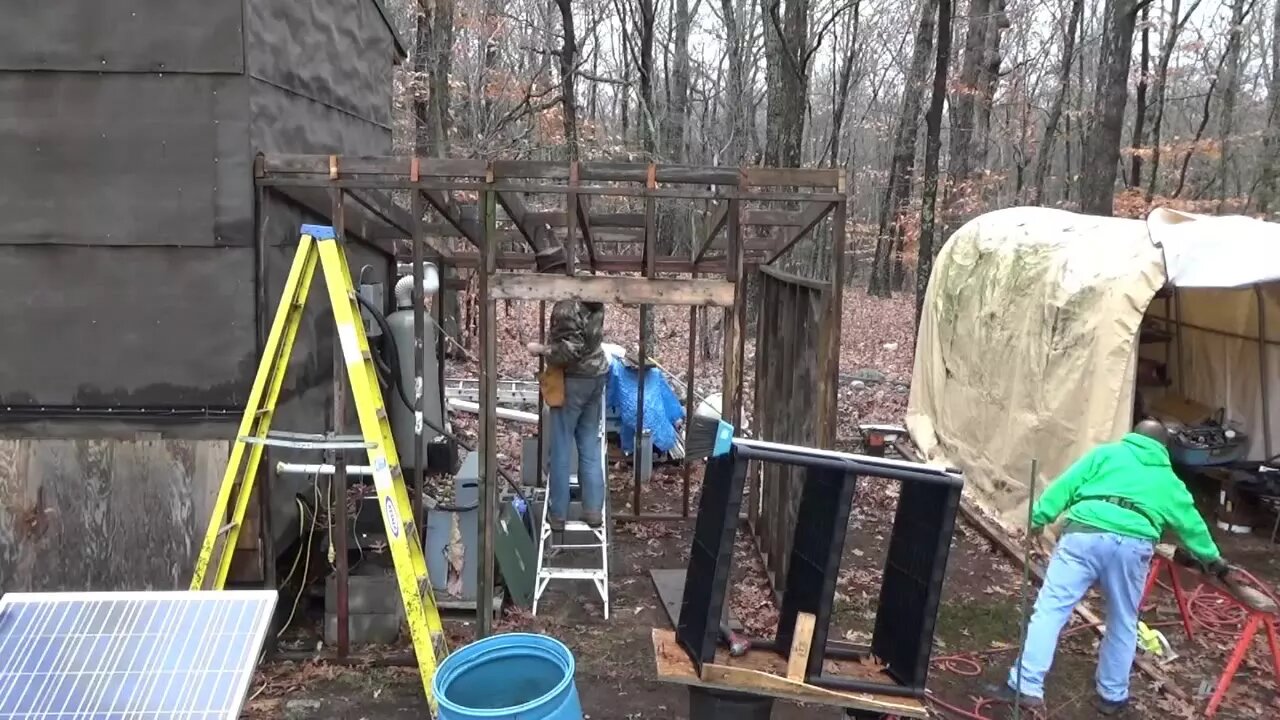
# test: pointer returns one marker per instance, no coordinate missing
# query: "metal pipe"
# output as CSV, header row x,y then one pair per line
x,y
1262,372
850,462
288,468
864,686
504,413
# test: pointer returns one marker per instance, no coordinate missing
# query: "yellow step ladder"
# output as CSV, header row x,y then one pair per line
x,y
319,245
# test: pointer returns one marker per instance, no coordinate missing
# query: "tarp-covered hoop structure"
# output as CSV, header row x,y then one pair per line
x,y
1028,343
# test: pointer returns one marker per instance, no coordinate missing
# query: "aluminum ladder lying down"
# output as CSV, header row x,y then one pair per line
x,y
586,540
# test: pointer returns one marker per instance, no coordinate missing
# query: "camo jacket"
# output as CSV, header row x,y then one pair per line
x,y
576,331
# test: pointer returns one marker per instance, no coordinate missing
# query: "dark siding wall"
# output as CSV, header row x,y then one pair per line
x,y
124,159
284,121
173,36
131,326
337,53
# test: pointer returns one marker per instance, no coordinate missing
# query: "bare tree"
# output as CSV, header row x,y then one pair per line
x,y
1110,97
1044,153
897,194
1226,127
568,71
1140,104
933,149
1162,84
1271,140
432,61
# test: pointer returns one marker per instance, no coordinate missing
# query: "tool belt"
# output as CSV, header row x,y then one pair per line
x,y
1127,505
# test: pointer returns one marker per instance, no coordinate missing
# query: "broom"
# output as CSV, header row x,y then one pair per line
x,y
707,434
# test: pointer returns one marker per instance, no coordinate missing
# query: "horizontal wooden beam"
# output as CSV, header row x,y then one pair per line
x,y
403,166
776,218
557,219
791,177
612,290
812,217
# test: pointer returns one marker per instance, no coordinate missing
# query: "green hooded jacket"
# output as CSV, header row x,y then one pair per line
x,y
1137,470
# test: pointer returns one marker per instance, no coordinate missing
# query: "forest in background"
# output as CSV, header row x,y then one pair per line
x,y
938,110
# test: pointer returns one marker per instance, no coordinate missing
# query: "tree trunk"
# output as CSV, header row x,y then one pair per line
x,y
568,71
988,78
1044,154
431,64
971,102
1110,95
1162,84
678,106
738,104
933,148
897,194
649,130
1140,106
1230,90
840,93
1271,140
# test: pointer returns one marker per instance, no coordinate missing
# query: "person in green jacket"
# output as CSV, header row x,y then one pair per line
x,y
1118,500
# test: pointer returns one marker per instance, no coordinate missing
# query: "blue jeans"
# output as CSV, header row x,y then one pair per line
x,y
1119,564
581,420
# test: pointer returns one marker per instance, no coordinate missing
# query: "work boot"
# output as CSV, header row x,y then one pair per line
x,y
556,524
593,518
1005,694
1109,708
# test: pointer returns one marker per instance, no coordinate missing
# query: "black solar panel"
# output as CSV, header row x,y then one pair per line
x,y
145,655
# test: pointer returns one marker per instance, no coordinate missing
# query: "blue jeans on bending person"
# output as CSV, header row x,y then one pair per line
x,y
580,421
1119,564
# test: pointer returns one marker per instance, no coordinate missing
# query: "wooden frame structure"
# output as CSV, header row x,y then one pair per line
x,y
465,196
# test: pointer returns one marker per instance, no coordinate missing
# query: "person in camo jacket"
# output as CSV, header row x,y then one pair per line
x,y
573,344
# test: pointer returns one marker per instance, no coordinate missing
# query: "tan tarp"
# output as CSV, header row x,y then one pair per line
x,y
1027,346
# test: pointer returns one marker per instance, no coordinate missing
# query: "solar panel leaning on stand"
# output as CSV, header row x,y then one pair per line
x,y
146,655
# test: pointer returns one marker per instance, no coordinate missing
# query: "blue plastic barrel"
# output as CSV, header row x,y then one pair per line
x,y
516,676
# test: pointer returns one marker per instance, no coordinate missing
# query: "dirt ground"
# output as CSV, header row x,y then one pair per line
x,y
977,624
979,616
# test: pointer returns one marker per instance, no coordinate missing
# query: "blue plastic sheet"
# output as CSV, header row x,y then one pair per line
x,y
662,409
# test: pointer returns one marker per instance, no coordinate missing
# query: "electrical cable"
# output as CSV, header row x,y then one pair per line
x,y
1205,604
395,372
304,552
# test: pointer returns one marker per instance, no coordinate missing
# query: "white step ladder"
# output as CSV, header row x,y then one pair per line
x,y
550,544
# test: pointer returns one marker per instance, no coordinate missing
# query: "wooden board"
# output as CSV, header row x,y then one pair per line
x,y
104,514
669,585
517,555
764,673
612,290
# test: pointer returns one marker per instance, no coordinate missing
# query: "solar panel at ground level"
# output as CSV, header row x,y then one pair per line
x,y
145,655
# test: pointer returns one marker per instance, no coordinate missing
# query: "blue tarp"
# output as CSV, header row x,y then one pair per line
x,y
662,409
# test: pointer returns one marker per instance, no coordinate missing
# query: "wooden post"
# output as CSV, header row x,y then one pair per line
x,y
731,402
265,476
488,414
571,221
419,367
337,481
649,259
542,412
689,398
829,332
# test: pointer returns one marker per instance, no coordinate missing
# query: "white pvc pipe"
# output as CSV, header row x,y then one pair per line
x,y
467,406
285,468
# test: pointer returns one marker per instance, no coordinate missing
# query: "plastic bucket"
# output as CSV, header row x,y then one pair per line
x,y
517,676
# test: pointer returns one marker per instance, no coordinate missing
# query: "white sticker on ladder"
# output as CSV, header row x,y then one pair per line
x,y
350,346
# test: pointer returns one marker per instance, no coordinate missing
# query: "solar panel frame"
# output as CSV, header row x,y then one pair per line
x,y
186,625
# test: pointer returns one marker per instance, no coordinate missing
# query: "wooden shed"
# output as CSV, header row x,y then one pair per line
x,y
137,290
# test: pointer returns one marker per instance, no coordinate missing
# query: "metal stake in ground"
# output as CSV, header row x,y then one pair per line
x,y
1026,581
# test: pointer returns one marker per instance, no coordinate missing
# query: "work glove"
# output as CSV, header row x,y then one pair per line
x,y
536,348
1218,568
